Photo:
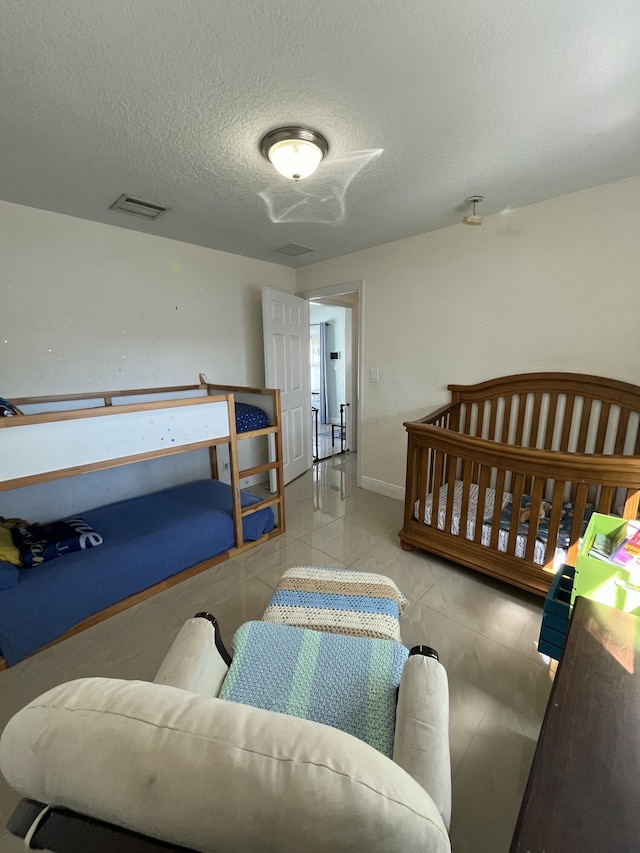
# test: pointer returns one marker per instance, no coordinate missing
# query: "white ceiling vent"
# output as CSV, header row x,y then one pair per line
x,y
137,207
294,249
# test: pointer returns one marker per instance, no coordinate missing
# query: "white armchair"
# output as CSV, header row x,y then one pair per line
x,y
139,766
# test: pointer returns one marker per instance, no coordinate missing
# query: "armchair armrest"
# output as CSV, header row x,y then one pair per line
x,y
203,774
197,660
421,745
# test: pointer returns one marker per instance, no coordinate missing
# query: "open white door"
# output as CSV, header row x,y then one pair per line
x,y
285,322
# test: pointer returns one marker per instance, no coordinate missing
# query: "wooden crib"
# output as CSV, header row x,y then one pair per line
x,y
504,477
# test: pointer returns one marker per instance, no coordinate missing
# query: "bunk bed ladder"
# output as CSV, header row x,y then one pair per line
x,y
237,475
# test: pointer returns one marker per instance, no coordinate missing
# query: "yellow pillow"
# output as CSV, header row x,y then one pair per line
x,y
8,550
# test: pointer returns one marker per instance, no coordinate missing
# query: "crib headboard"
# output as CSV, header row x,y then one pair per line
x,y
568,412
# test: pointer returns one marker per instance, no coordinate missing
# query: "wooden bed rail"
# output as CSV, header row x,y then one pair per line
x,y
106,396
438,457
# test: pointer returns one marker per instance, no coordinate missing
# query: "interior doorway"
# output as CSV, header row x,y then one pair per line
x,y
336,401
328,361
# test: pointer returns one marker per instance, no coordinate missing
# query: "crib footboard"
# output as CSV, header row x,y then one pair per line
x,y
510,512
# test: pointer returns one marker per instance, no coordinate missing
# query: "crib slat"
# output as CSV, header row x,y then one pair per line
x,y
603,423
452,464
493,414
506,419
554,521
631,504
425,475
480,422
551,420
536,500
535,421
522,407
566,423
605,500
483,482
621,434
579,509
533,432
518,486
584,425
466,489
474,433
412,482
435,494
516,412
463,419
453,419
497,509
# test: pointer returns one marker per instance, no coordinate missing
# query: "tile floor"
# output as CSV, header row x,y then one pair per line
x,y
485,633
326,446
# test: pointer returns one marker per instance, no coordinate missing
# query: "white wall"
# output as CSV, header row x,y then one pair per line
x,y
552,286
86,306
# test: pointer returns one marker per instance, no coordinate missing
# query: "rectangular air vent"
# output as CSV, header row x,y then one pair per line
x,y
294,249
137,207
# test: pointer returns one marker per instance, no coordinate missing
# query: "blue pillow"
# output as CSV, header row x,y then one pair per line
x,y
40,543
7,409
9,575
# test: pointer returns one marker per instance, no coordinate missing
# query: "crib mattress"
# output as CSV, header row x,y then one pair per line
x,y
540,546
146,539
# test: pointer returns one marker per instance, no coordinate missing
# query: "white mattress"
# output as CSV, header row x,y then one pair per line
x,y
490,497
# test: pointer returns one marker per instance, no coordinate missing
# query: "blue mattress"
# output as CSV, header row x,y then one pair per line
x,y
146,540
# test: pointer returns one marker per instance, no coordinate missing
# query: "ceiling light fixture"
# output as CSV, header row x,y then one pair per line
x,y
473,219
295,152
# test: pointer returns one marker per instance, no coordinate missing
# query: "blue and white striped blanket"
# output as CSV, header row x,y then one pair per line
x,y
346,682
341,601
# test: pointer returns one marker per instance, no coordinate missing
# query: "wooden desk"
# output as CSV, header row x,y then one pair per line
x,y
583,792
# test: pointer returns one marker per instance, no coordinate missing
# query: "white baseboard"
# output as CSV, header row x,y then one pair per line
x,y
382,488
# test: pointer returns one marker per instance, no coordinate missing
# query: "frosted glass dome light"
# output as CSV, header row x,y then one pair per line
x,y
294,152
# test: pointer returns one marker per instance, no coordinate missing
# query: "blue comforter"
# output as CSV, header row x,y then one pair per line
x,y
146,539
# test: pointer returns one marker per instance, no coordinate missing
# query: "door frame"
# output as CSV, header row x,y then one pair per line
x,y
338,290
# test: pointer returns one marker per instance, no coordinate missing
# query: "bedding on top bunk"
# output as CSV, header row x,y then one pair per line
x,y
146,539
249,418
542,534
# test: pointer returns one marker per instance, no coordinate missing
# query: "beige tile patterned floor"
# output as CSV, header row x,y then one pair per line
x,y
485,633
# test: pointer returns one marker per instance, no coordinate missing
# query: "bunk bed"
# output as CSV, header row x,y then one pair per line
x,y
131,549
503,479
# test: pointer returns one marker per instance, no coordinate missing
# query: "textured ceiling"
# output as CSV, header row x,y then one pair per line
x,y
424,102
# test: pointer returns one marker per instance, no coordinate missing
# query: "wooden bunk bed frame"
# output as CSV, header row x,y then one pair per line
x,y
553,436
212,405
